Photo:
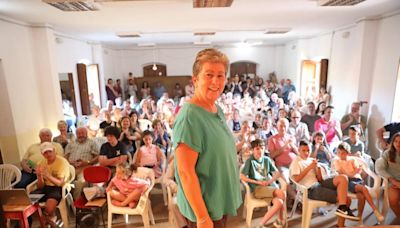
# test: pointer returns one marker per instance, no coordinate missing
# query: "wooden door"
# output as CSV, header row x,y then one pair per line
x,y
72,91
149,72
83,88
323,80
245,68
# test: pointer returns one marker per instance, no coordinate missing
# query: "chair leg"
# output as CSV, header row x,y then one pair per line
x,y
244,209
164,191
102,217
296,202
145,217
151,213
109,219
307,213
249,216
70,201
126,216
64,213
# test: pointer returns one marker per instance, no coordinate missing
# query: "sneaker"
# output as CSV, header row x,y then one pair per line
x,y
379,216
278,224
344,211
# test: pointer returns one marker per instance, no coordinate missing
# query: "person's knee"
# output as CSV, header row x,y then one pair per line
x,y
341,178
278,202
280,194
360,196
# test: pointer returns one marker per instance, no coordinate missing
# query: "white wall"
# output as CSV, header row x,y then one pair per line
x,y
69,52
384,73
29,80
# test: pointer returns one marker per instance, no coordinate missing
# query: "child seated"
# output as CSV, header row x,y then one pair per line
x,y
257,172
348,167
149,155
126,190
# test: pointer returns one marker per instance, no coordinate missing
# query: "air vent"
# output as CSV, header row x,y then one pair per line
x,y
128,34
208,33
211,3
73,5
277,31
339,2
146,45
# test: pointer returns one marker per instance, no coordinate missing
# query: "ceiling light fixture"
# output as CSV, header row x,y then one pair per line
x,y
211,3
154,60
277,31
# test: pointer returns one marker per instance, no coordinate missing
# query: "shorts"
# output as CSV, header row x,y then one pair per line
x,y
261,192
50,192
353,182
323,191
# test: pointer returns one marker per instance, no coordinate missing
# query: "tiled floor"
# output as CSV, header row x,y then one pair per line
x,y
161,218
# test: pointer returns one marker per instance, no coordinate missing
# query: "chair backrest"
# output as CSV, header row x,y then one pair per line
x,y
9,176
145,124
97,174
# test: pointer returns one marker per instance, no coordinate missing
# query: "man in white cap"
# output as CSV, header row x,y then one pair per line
x,y
32,157
51,174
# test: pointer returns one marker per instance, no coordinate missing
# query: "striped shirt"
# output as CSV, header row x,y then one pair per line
x,y
82,151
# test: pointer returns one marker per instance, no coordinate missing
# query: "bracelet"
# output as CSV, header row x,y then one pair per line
x,y
203,220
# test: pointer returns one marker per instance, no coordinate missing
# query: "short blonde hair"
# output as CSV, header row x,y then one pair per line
x,y
209,55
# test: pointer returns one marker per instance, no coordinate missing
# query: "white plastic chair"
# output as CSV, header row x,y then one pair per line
x,y
375,190
145,124
160,179
66,196
385,204
143,207
308,204
250,202
171,202
10,175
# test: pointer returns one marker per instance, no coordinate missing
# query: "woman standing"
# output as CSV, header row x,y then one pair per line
x,y
205,149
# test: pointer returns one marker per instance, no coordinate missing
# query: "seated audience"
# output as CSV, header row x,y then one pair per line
x,y
51,172
321,108
169,181
107,121
234,124
388,166
161,138
112,153
330,127
357,147
126,189
260,173
135,121
353,118
33,156
283,149
243,139
267,130
305,171
392,128
149,155
65,137
80,154
298,129
310,117
128,135
348,167
320,150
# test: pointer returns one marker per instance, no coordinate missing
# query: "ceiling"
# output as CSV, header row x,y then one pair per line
x,y
166,22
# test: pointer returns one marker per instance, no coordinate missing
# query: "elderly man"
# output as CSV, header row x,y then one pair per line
x,y
80,154
51,172
33,156
298,129
353,118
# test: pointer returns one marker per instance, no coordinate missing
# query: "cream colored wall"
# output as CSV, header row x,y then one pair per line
x,y
30,84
